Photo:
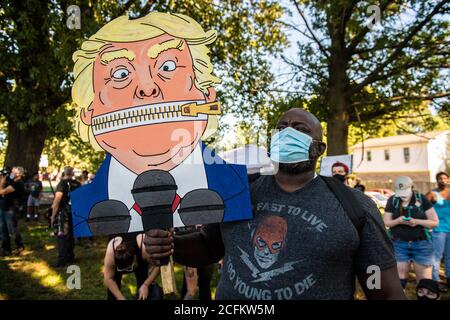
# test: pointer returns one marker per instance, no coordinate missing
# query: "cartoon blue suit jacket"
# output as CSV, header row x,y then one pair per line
x,y
228,180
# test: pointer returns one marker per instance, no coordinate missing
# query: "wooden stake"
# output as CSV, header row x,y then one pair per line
x,y
168,279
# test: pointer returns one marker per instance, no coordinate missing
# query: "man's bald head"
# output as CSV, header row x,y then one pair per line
x,y
302,121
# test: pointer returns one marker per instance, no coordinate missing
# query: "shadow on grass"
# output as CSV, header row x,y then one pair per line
x,y
30,275
19,285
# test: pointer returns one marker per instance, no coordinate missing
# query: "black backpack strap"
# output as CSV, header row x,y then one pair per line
x,y
253,177
348,201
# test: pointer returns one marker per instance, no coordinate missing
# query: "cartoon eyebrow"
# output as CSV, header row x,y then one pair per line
x,y
156,50
117,54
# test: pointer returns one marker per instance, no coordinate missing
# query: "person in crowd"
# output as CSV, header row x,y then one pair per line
x,y
61,209
12,188
196,278
340,171
190,283
35,190
359,186
126,254
440,198
409,215
301,243
84,178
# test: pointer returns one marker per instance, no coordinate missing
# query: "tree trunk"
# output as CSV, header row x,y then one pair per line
x,y
25,146
338,102
337,133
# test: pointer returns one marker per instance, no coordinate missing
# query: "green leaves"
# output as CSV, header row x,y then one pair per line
x,y
36,53
375,72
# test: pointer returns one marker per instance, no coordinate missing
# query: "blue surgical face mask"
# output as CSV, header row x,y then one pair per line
x,y
290,146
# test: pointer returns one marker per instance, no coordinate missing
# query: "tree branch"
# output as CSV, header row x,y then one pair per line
x,y
325,52
346,14
360,36
302,68
375,73
125,7
429,97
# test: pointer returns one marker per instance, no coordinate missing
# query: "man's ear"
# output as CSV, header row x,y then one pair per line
x,y
211,97
86,115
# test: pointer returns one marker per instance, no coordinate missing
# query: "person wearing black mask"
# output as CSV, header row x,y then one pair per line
x,y
340,171
12,188
301,243
62,206
125,254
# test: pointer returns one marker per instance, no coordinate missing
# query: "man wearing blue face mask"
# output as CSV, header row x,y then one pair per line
x,y
302,243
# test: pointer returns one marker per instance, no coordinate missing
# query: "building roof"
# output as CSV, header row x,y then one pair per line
x,y
403,139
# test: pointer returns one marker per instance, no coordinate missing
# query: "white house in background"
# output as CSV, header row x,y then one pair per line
x,y
418,156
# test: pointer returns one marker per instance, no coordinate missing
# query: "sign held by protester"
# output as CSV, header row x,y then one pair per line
x,y
144,89
327,162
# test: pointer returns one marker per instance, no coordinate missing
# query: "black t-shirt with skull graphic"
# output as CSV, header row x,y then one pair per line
x,y
300,245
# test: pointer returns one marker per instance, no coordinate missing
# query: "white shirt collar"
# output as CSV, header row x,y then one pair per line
x,y
188,175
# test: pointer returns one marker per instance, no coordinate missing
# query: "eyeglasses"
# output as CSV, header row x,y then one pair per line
x,y
129,268
126,269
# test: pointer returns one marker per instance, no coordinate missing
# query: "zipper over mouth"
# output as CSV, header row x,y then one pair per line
x,y
153,114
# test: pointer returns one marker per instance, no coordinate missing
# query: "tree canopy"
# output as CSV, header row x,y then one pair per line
x,y
354,68
36,59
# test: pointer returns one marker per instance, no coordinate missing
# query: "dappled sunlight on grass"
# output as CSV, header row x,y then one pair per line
x,y
26,252
40,271
49,247
133,289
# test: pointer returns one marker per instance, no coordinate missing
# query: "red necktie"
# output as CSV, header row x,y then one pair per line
x,y
175,204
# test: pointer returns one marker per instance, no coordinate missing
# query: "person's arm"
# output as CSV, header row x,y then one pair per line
x,y
40,189
143,290
389,222
431,222
109,271
55,206
198,248
389,289
431,196
8,189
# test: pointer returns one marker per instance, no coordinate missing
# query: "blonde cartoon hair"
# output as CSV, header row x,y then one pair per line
x,y
123,29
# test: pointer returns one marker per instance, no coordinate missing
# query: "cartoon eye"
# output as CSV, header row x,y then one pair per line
x,y
261,243
169,65
277,245
120,74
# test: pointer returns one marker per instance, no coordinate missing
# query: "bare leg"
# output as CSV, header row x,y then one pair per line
x,y
422,271
403,270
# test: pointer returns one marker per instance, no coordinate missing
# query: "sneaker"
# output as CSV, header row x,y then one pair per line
x,y
27,218
36,217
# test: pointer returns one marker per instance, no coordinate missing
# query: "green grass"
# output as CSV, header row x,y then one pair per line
x,y
30,275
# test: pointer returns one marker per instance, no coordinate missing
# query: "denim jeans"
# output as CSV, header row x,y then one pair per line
x,y
4,235
420,251
441,244
10,216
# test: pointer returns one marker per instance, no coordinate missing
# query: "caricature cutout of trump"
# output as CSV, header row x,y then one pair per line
x,y
145,93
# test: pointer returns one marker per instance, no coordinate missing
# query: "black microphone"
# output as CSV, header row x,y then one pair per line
x,y
154,192
109,217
